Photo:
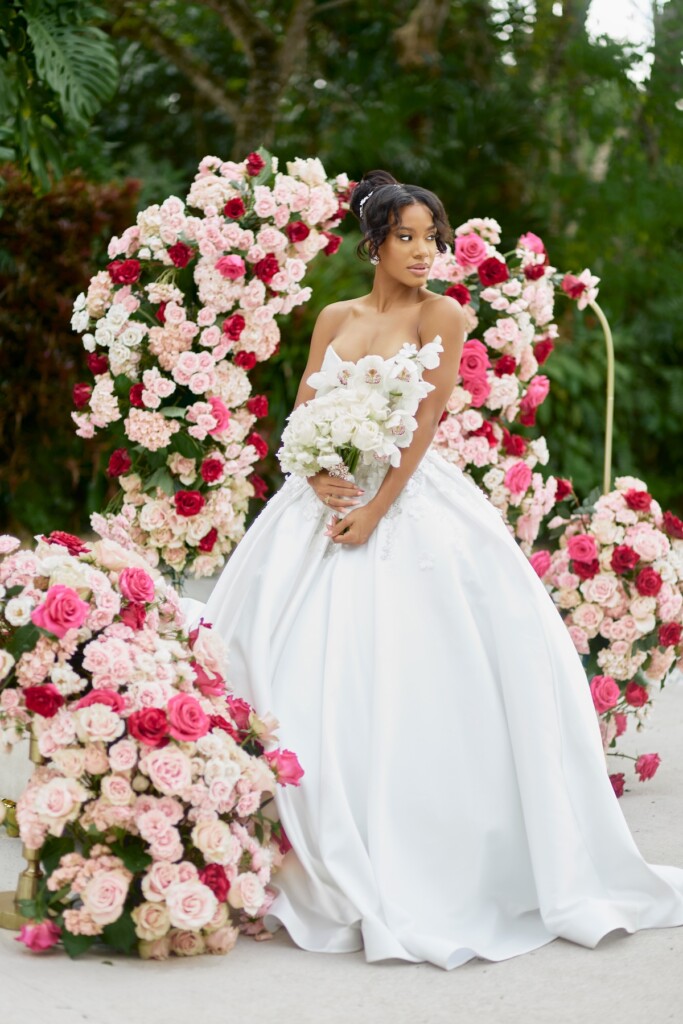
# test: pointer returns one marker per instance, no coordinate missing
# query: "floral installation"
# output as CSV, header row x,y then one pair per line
x,y
185,309
617,580
148,808
508,299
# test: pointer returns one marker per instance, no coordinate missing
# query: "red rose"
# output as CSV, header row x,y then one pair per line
x,y
636,695
124,271
542,350
621,722
283,842
110,698
207,542
136,585
267,268
333,241
81,395
514,444
43,700
459,293
255,164
492,271
586,570
119,462
97,364
504,364
135,395
534,271
240,710
149,726
233,326
260,486
181,254
187,721
670,634
297,231
624,559
258,406
564,488
207,684
211,470
214,877
648,582
218,722
486,430
74,545
247,360
189,503
572,286
617,781
234,208
647,765
673,525
257,442
528,418
134,615
639,501
161,312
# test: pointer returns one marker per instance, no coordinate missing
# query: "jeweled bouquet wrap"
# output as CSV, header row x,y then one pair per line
x,y
362,413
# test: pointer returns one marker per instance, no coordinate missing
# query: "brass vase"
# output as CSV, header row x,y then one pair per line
x,y
27,884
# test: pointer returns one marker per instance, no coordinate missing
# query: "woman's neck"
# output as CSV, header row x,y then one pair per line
x,y
388,294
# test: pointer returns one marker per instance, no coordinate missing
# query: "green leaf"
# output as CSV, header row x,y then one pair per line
x,y
186,445
54,848
29,908
121,934
76,944
267,172
25,639
133,854
160,478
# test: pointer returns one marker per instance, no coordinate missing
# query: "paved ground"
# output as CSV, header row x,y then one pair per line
x,y
631,979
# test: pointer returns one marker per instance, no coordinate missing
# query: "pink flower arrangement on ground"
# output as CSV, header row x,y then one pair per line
x,y
617,579
148,810
185,309
509,301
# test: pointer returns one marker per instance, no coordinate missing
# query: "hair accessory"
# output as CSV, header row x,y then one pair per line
x,y
363,202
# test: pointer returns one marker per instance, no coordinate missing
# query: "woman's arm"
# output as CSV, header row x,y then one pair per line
x,y
444,318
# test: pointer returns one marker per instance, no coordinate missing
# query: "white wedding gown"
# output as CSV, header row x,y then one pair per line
x,y
455,802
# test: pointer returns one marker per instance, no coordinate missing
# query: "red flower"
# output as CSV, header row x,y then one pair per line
x,y
81,395
647,765
240,710
459,293
333,241
119,462
486,430
207,684
267,268
135,396
149,726
233,326
586,570
564,488
542,350
624,559
648,582
189,503
134,615
670,634
533,271
110,698
181,254
214,877
234,208
124,271
572,286
247,360
211,470
617,781
528,417
218,722
673,525
97,364
255,164
297,231
74,545
208,540
260,486
504,364
257,442
636,695
492,271
639,501
161,312
43,700
514,444
258,406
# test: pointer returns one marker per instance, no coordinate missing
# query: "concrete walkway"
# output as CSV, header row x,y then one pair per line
x,y
628,979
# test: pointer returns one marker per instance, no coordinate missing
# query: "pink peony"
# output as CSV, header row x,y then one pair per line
x,y
39,935
61,611
605,693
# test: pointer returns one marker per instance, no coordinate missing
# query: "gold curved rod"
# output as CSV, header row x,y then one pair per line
x,y
609,410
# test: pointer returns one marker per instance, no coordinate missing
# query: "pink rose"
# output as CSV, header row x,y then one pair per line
x,y
186,943
105,894
474,360
479,388
532,242
169,770
247,893
137,585
155,949
536,393
647,765
605,692
286,766
582,547
151,921
61,610
187,720
156,882
231,267
221,414
191,905
518,478
470,250
222,940
540,561
123,756
39,935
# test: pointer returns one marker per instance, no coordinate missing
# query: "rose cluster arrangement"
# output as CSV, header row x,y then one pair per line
x,y
149,807
185,309
508,299
617,580
361,411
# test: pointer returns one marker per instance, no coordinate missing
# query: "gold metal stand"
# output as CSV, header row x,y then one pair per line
x,y
27,886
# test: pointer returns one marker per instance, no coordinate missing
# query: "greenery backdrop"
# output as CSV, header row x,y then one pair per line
x,y
505,108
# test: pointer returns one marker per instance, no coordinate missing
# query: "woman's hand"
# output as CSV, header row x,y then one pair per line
x,y
356,527
334,492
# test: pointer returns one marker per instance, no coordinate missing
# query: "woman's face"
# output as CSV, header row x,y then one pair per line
x,y
408,251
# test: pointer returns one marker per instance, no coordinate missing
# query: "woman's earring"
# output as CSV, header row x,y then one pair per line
x,y
374,260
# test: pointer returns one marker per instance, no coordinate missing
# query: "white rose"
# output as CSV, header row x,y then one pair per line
x,y
18,611
191,905
247,893
6,663
216,842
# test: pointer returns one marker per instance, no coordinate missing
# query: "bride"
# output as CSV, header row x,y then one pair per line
x,y
455,801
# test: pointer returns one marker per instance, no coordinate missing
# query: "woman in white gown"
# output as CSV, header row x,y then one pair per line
x,y
455,802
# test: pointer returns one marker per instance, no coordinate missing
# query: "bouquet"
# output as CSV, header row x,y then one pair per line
x,y
362,411
148,809
185,309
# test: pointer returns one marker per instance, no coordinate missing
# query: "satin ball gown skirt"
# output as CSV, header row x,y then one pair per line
x,y
455,802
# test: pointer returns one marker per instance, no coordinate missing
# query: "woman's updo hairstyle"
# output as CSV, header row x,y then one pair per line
x,y
377,200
